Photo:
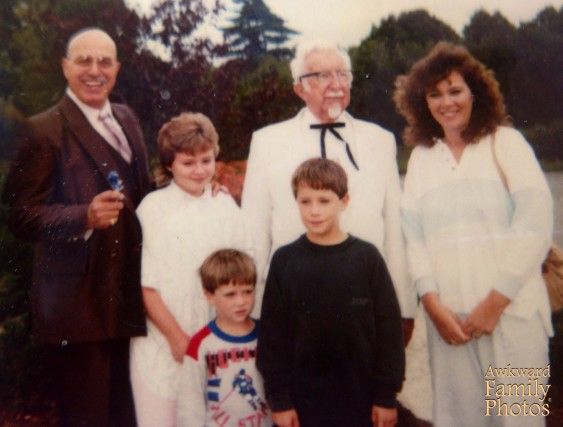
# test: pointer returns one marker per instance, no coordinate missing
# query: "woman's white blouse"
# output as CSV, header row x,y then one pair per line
x,y
179,232
466,235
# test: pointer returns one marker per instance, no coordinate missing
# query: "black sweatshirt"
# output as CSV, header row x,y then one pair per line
x,y
330,343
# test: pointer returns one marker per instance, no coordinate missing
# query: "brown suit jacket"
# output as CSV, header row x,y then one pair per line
x,y
83,290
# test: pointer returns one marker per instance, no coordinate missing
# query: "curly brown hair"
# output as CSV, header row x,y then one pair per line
x,y
410,95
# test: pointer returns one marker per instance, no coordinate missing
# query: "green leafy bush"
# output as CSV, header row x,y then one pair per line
x,y
23,380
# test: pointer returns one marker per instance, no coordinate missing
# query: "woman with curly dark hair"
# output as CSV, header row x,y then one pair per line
x,y
475,243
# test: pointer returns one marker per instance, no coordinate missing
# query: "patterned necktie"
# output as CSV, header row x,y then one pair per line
x,y
332,128
119,141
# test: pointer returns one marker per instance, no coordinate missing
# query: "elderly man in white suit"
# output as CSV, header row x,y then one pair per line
x,y
322,79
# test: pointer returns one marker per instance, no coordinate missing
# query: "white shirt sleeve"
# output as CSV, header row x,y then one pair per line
x,y
241,239
394,243
238,234
150,262
257,205
531,227
419,260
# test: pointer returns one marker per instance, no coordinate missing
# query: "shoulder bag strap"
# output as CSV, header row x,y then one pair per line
x,y
497,164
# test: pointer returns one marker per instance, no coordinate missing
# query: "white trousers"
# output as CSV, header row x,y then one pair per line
x,y
151,409
464,390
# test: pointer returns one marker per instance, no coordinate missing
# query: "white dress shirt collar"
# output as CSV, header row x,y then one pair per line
x,y
307,118
311,119
93,117
91,113
184,195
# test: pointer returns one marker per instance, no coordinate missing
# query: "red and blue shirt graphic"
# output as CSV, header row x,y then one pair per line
x,y
219,384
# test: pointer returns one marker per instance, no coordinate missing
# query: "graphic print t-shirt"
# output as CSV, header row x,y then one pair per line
x,y
219,384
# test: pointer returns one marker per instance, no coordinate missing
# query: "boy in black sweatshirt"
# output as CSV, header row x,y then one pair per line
x,y
330,345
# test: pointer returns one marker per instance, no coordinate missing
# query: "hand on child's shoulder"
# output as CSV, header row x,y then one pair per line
x,y
217,187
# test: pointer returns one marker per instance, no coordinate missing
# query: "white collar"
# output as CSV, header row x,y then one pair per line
x,y
91,113
183,195
310,118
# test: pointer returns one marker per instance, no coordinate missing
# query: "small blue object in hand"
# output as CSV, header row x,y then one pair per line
x,y
115,181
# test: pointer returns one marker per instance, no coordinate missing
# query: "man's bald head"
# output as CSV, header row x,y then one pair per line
x,y
90,66
86,36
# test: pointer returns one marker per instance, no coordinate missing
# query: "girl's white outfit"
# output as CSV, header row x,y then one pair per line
x,y
179,232
466,235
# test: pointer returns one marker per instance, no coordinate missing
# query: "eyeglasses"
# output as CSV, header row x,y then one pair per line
x,y
88,61
325,77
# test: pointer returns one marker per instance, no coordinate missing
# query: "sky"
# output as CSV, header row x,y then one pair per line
x,y
349,21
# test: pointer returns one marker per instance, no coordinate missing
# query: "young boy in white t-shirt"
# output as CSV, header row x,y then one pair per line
x,y
219,382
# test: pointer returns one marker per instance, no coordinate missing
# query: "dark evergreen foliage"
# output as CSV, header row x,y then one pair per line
x,y
389,50
256,32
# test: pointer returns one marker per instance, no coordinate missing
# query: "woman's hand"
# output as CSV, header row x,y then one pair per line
x,y
217,187
286,418
166,323
485,316
449,326
178,345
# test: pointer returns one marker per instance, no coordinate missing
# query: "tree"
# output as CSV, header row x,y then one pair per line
x,y
30,61
537,76
37,38
181,83
174,24
537,82
261,97
8,24
255,32
155,88
527,70
36,32
22,379
492,40
388,51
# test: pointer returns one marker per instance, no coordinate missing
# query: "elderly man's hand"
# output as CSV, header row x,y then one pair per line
x,y
104,209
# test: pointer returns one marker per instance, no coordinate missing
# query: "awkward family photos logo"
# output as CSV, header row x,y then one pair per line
x,y
513,391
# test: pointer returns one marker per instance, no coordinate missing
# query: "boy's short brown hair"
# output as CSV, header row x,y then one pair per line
x,y
227,266
186,133
321,174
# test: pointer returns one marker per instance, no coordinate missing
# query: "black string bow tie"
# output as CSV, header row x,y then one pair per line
x,y
332,128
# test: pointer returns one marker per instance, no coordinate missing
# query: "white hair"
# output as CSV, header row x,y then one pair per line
x,y
299,63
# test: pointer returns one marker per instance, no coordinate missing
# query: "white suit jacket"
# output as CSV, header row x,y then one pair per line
x,y
372,214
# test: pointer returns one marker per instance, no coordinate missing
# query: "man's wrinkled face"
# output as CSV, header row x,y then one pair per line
x,y
90,67
325,85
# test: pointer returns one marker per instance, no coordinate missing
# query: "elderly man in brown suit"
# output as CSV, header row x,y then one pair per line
x,y
80,172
